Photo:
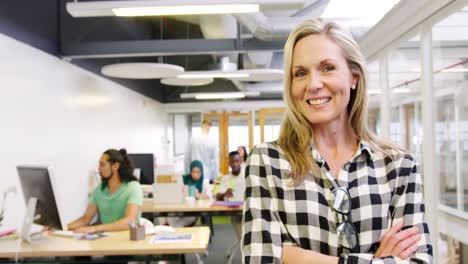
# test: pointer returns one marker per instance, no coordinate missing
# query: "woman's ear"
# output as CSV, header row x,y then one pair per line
x,y
354,81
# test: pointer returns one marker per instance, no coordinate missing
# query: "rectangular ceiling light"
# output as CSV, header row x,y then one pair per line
x,y
186,10
163,7
394,90
219,96
224,95
213,75
456,70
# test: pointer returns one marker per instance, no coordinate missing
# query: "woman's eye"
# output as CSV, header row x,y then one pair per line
x,y
299,74
328,68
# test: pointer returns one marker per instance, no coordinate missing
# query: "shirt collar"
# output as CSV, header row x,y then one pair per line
x,y
316,155
364,146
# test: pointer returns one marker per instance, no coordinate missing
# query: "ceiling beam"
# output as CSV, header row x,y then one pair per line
x,y
400,23
169,47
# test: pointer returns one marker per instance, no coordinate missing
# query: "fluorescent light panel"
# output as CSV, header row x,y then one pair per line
x,y
186,10
105,8
219,96
213,75
394,90
225,95
456,70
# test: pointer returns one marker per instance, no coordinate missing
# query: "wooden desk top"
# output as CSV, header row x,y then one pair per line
x,y
197,206
116,244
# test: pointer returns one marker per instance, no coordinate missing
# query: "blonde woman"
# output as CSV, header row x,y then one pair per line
x,y
329,190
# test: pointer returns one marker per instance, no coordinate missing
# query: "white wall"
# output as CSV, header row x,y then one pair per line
x,y
54,113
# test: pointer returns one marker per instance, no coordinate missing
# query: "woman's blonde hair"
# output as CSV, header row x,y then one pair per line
x,y
296,133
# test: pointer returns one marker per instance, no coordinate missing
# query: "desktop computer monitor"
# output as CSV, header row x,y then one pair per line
x,y
144,162
38,184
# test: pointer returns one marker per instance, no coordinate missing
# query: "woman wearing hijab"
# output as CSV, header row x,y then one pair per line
x,y
197,187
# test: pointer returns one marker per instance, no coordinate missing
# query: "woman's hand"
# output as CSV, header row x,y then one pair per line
x,y
401,244
229,193
294,255
200,196
86,230
197,194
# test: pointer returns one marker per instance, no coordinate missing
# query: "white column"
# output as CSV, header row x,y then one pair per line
x,y
253,129
431,179
384,98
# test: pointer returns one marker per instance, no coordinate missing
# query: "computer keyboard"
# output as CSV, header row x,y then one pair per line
x,y
80,236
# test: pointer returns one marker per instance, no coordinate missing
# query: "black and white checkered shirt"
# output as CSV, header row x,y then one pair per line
x,y
383,189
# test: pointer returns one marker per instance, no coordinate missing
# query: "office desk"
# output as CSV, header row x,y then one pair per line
x,y
118,244
199,207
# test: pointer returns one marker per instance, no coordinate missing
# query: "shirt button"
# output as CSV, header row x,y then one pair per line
x,y
347,166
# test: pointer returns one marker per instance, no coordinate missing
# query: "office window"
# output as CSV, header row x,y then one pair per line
x,y
374,120
450,51
181,133
373,91
196,127
395,126
271,128
405,91
238,132
445,150
415,129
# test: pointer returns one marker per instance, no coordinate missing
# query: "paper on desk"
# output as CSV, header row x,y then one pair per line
x,y
91,236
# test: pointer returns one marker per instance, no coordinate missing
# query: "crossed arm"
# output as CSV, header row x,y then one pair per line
x,y
263,237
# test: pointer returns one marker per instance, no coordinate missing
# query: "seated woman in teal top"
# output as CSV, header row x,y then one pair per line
x,y
195,180
117,199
